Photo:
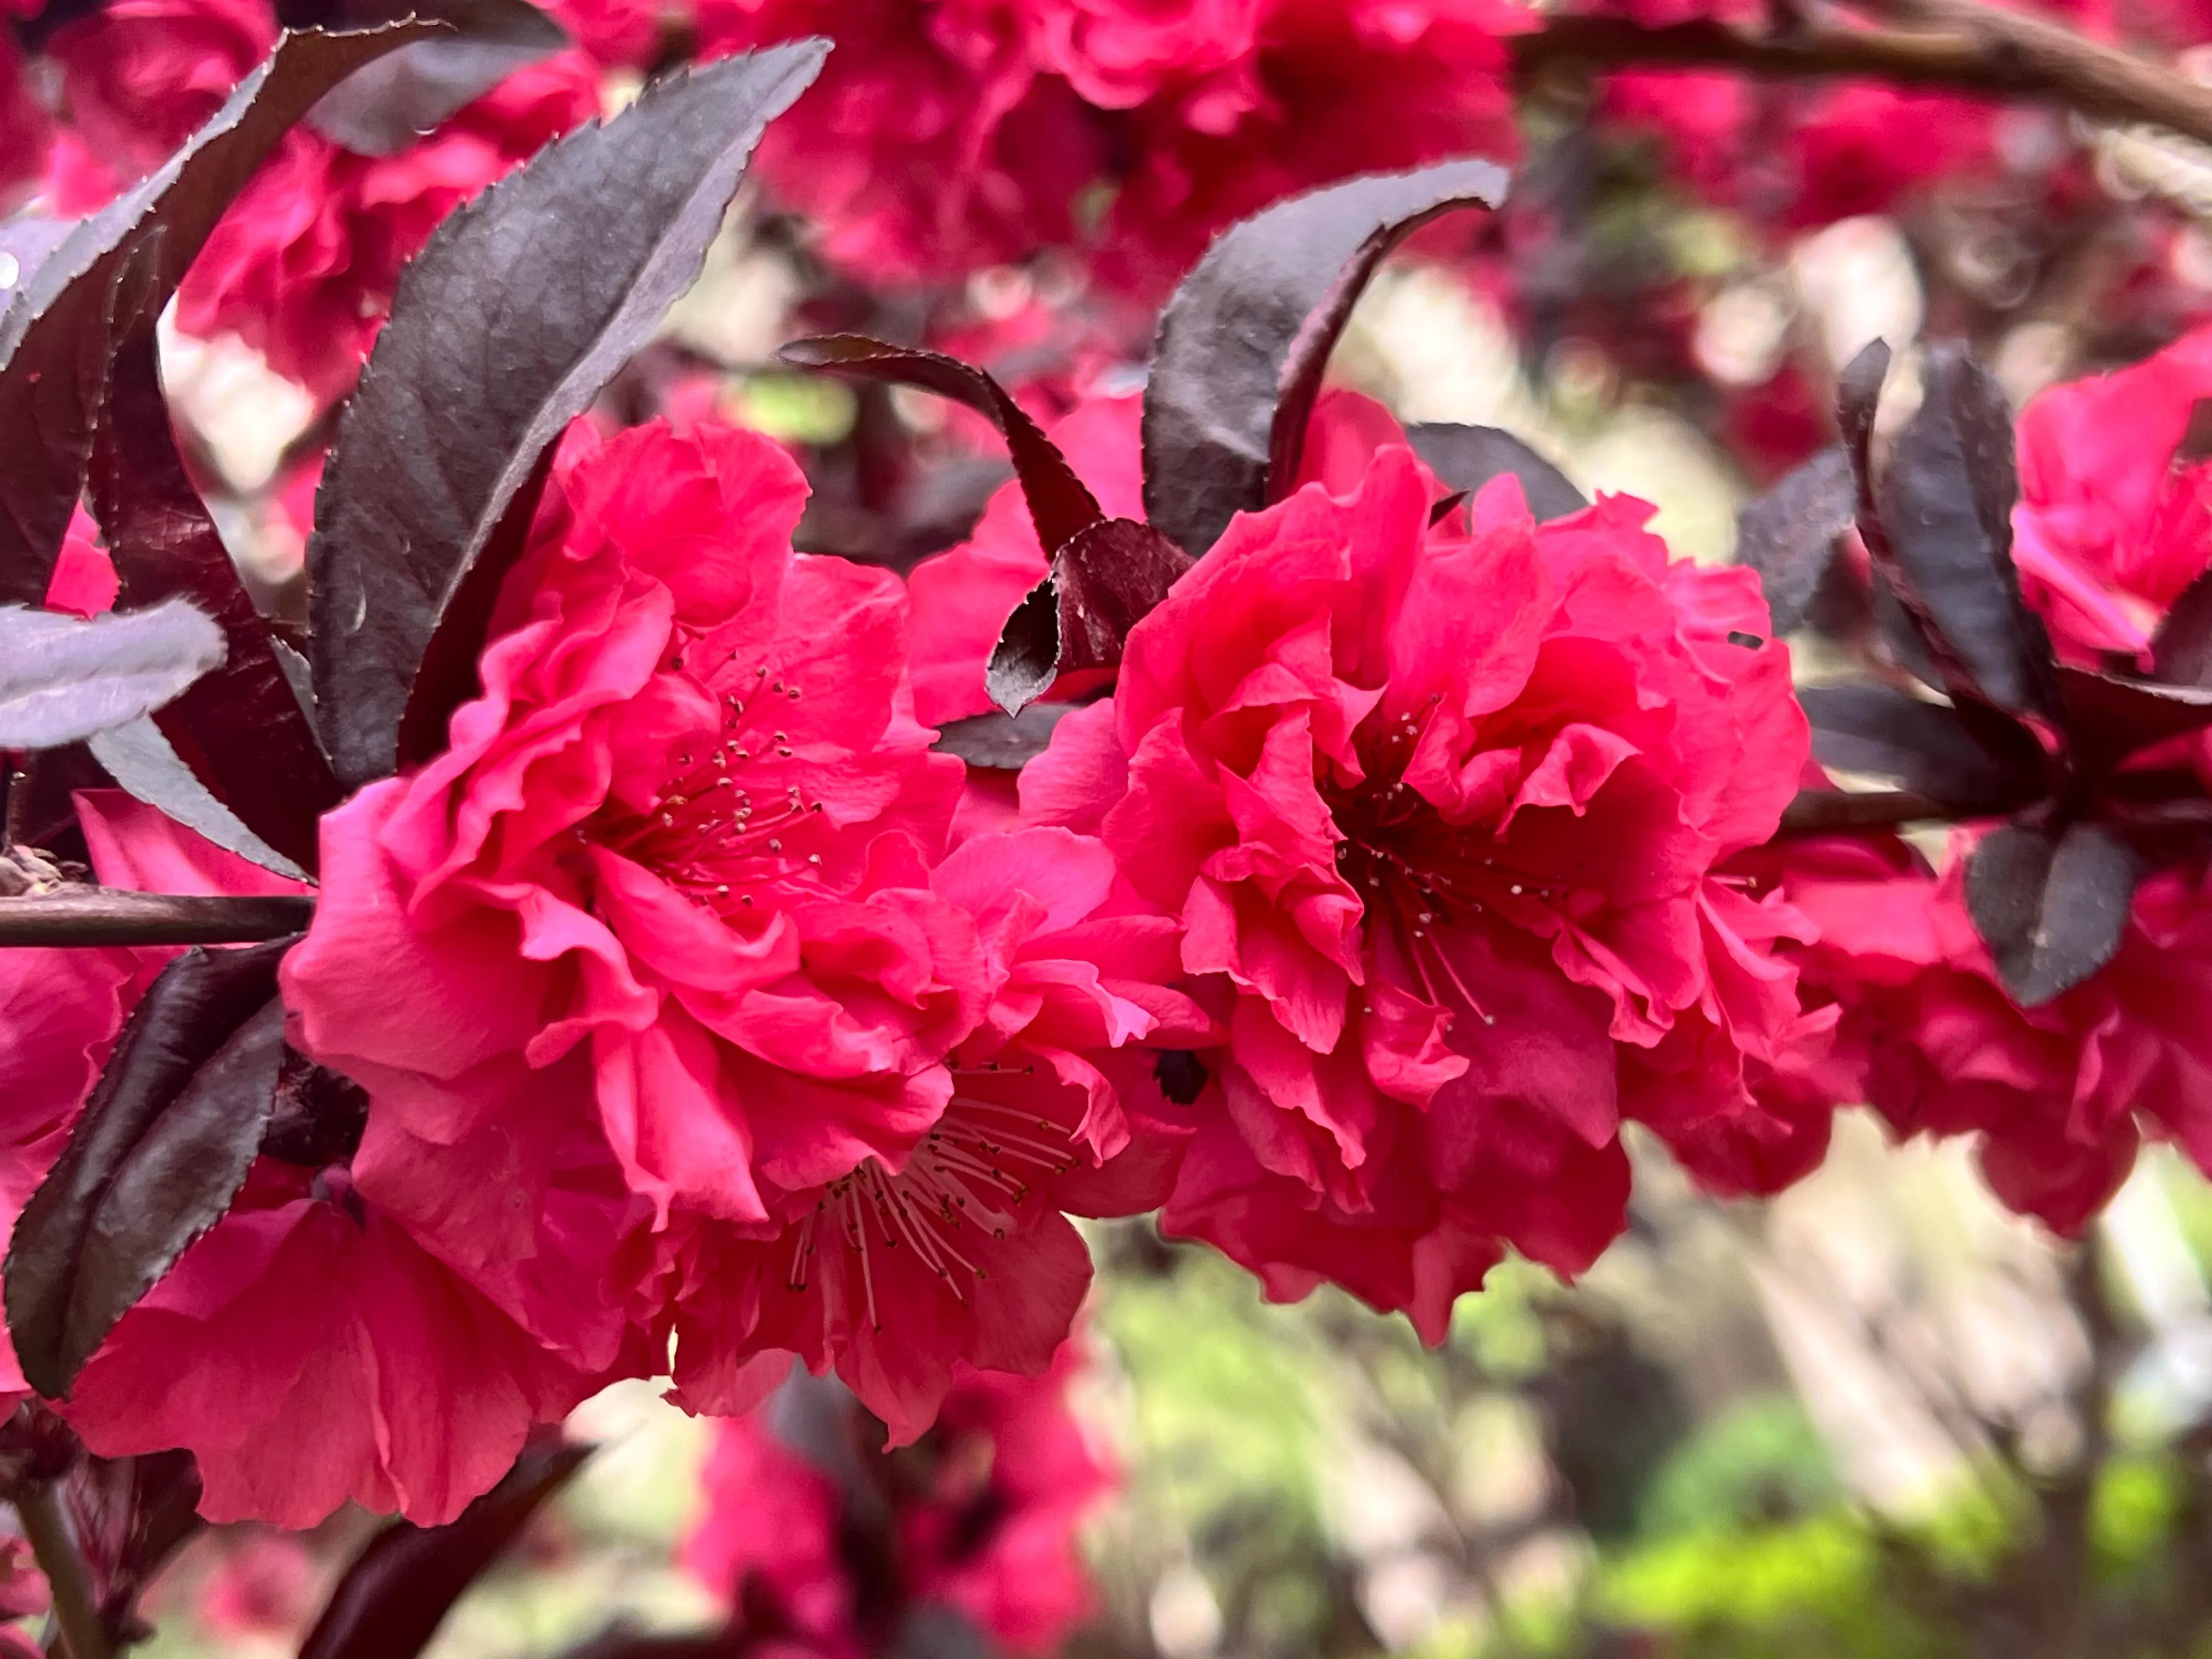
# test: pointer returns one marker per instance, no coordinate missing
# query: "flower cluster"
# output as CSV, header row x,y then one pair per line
x,y
949,135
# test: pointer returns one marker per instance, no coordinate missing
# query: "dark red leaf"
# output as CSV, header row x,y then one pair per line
x,y
1071,628
2051,908
1244,344
1466,457
1789,534
1060,506
139,758
153,1162
383,108
53,348
504,329
239,729
1973,767
319,1117
2109,716
1944,500
401,1586
66,678
1002,743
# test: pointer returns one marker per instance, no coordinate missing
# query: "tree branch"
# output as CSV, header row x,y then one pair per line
x,y
39,1507
1815,811
99,916
1955,44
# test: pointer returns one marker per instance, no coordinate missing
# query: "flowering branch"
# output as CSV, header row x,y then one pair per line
x,y
1950,43
39,1506
97,915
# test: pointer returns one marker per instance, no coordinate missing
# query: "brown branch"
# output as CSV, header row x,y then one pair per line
x,y
99,916
1954,44
1815,811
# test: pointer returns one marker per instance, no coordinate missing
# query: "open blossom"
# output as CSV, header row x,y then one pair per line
x,y
962,1254
1440,809
647,917
305,1350
2058,1097
2110,525
983,1517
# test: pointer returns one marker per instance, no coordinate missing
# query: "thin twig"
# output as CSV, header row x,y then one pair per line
x,y
99,916
1968,48
1817,811
77,1610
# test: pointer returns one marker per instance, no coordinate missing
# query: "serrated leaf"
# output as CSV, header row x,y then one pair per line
x,y
1070,629
1244,344
1945,502
2052,909
1060,505
1972,765
26,243
1789,534
400,1587
63,679
153,1160
504,329
384,107
139,758
1002,743
239,730
52,346
1466,457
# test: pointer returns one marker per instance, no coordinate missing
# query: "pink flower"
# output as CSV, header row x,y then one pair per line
x,y
261,1585
900,1273
306,1350
303,265
1328,88
949,135
138,78
1804,159
635,930
1440,811
2109,528
961,599
2057,1096
983,1518
932,145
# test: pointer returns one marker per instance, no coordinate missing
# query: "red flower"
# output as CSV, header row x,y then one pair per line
x,y
306,1350
2109,528
2058,1096
1327,89
138,78
302,267
982,1518
932,145
632,927
1440,811
901,1272
949,135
